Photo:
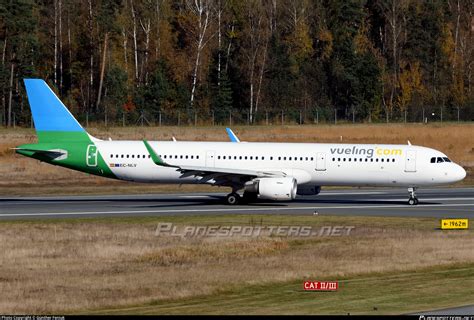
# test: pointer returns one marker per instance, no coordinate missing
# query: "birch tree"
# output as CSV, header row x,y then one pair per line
x,y
203,13
393,11
257,38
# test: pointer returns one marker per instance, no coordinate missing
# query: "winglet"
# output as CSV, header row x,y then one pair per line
x,y
156,159
232,136
409,143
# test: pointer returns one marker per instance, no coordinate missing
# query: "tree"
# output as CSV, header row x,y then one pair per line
x,y
255,45
394,12
19,56
221,91
116,95
106,18
200,16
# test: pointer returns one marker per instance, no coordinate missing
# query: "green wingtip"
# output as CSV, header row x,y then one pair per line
x,y
156,159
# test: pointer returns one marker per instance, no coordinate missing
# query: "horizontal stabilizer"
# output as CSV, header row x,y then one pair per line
x,y
53,154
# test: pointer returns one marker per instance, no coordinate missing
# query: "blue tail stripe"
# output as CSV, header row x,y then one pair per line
x,y
49,113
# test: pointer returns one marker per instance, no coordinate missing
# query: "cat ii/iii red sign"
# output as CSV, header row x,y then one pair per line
x,y
320,285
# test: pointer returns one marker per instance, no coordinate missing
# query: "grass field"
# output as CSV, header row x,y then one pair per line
x,y
119,265
24,176
369,294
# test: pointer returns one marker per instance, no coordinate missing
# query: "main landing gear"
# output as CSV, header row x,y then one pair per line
x,y
248,197
412,200
233,198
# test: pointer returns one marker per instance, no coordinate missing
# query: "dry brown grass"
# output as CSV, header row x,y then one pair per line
x,y
20,175
66,266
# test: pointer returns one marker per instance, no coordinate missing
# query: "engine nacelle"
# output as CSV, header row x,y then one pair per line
x,y
274,188
308,190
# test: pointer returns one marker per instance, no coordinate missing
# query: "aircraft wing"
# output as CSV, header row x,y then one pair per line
x,y
221,176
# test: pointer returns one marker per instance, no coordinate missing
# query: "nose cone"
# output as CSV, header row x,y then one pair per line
x,y
460,173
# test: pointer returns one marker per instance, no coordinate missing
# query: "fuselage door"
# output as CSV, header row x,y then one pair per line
x,y
321,161
410,161
91,156
210,159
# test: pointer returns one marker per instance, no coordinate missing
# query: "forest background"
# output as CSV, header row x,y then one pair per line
x,y
122,62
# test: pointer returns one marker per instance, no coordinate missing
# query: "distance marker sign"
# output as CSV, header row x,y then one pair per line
x,y
447,224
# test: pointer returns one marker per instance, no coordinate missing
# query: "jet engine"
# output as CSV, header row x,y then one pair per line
x,y
283,188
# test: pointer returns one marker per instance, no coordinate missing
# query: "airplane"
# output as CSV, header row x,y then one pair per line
x,y
262,170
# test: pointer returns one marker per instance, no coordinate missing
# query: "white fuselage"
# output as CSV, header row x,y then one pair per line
x,y
309,163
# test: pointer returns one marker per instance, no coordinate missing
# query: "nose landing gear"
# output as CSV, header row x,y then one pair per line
x,y
412,200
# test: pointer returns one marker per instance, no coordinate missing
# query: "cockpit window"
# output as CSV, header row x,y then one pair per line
x,y
439,159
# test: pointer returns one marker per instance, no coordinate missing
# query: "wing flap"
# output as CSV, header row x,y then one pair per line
x,y
212,173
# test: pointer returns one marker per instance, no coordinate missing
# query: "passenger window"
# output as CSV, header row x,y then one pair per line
x,y
218,157
311,158
366,159
338,159
245,157
349,159
284,158
355,159
192,157
393,160
186,157
343,159
381,159
251,158
128,156
271,158
197,157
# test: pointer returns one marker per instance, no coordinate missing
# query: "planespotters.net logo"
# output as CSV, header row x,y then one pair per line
x,y
320,285
169,229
